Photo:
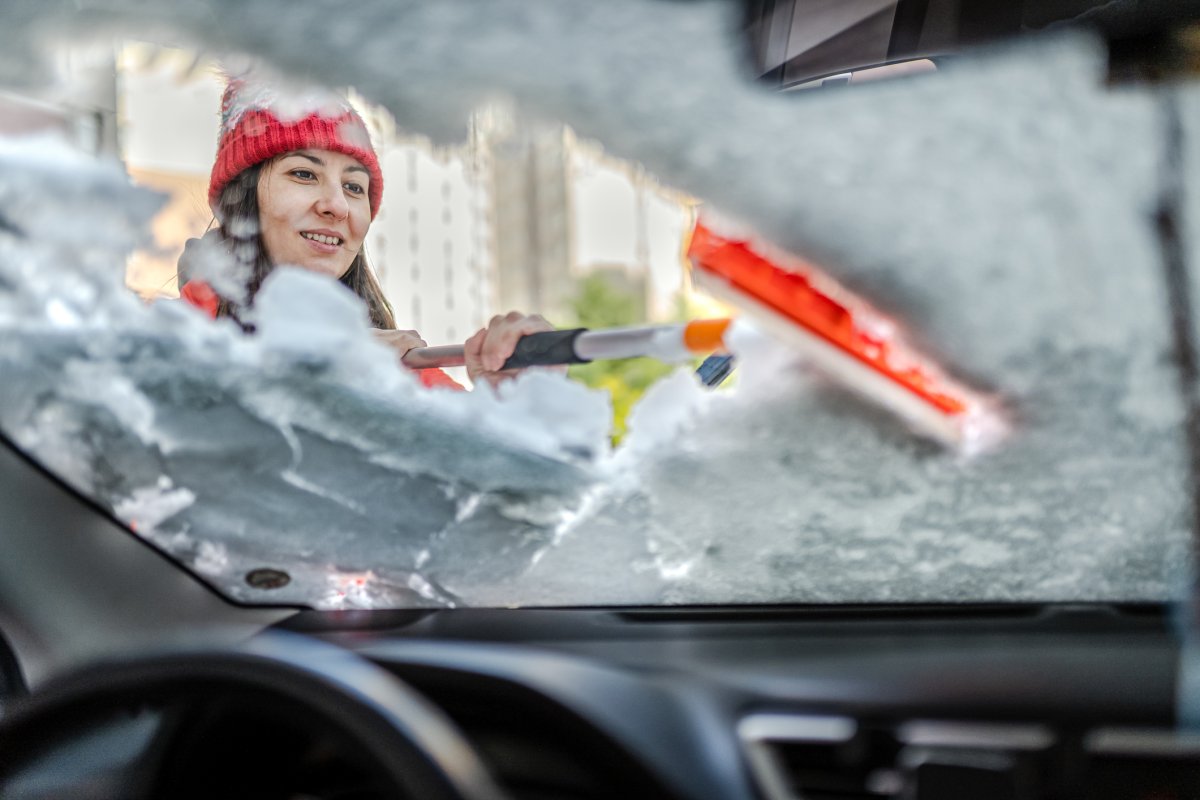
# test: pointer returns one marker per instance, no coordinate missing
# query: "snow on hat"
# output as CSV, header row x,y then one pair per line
x,y
260,121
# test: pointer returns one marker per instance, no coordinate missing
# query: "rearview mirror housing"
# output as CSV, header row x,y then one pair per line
x,y
823,42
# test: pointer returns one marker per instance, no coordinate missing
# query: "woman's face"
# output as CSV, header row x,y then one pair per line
x,y
313,210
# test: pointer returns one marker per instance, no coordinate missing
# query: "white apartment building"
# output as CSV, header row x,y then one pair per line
x,y
431,243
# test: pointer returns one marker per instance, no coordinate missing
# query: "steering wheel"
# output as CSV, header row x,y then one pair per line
x,y
283,716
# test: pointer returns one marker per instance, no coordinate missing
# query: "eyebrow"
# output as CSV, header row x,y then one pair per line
x,y
319,162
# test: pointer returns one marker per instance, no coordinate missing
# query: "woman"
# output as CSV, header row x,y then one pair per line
x,y
302,189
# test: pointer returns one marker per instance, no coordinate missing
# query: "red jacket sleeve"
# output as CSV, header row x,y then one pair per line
x,y
435,378
202,296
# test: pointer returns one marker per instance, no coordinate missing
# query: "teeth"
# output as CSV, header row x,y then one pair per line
x,y
316,237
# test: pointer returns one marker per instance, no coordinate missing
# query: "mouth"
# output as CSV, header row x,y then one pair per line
x,y
327,240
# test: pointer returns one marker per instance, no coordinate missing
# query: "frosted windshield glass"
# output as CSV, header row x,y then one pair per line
x,y
1002,212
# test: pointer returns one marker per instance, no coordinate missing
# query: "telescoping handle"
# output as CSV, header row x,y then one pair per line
x,y
580,345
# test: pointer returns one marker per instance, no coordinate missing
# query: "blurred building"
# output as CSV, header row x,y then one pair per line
x,y
169,122
624,217
429,243
81,108
531,215
514,219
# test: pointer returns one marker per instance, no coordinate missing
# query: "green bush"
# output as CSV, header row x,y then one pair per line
x,y
602,303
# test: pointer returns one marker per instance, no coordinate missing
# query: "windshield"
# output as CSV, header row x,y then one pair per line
x,y
962,377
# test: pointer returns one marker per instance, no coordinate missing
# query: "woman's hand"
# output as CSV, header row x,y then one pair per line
x,y
399,341
486,351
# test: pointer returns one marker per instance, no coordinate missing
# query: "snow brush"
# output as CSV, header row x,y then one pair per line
x,y
843,336
674,342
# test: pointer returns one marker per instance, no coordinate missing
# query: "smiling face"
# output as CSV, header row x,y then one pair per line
x,y
313,210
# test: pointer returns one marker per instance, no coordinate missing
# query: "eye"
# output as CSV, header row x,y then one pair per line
x,y
354,188
303,174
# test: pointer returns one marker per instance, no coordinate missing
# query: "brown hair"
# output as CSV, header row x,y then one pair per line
x,y
238,218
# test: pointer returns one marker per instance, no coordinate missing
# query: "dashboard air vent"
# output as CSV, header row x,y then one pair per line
x,y
798,757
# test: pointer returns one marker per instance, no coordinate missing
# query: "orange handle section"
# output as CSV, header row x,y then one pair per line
x,y
706,335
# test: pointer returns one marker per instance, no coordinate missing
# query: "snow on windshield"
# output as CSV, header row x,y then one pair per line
x,y
1003,210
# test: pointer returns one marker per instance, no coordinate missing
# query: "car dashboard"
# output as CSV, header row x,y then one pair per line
x,y
926,702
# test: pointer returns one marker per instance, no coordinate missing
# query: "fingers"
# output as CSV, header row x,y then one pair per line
x,y
399,341
412,335
473,350
501,336
473,355
487,350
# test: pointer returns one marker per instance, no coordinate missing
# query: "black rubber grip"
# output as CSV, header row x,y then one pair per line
x,y
546,349
715,370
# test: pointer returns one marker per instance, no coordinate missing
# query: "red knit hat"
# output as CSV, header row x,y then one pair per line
x,y
256,125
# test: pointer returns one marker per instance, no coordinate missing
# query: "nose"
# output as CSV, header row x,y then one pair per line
x,y
332,202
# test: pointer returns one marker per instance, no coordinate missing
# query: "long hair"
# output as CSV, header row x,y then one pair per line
x,y
238,219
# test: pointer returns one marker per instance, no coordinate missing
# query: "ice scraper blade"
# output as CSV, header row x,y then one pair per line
x,y
842,335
